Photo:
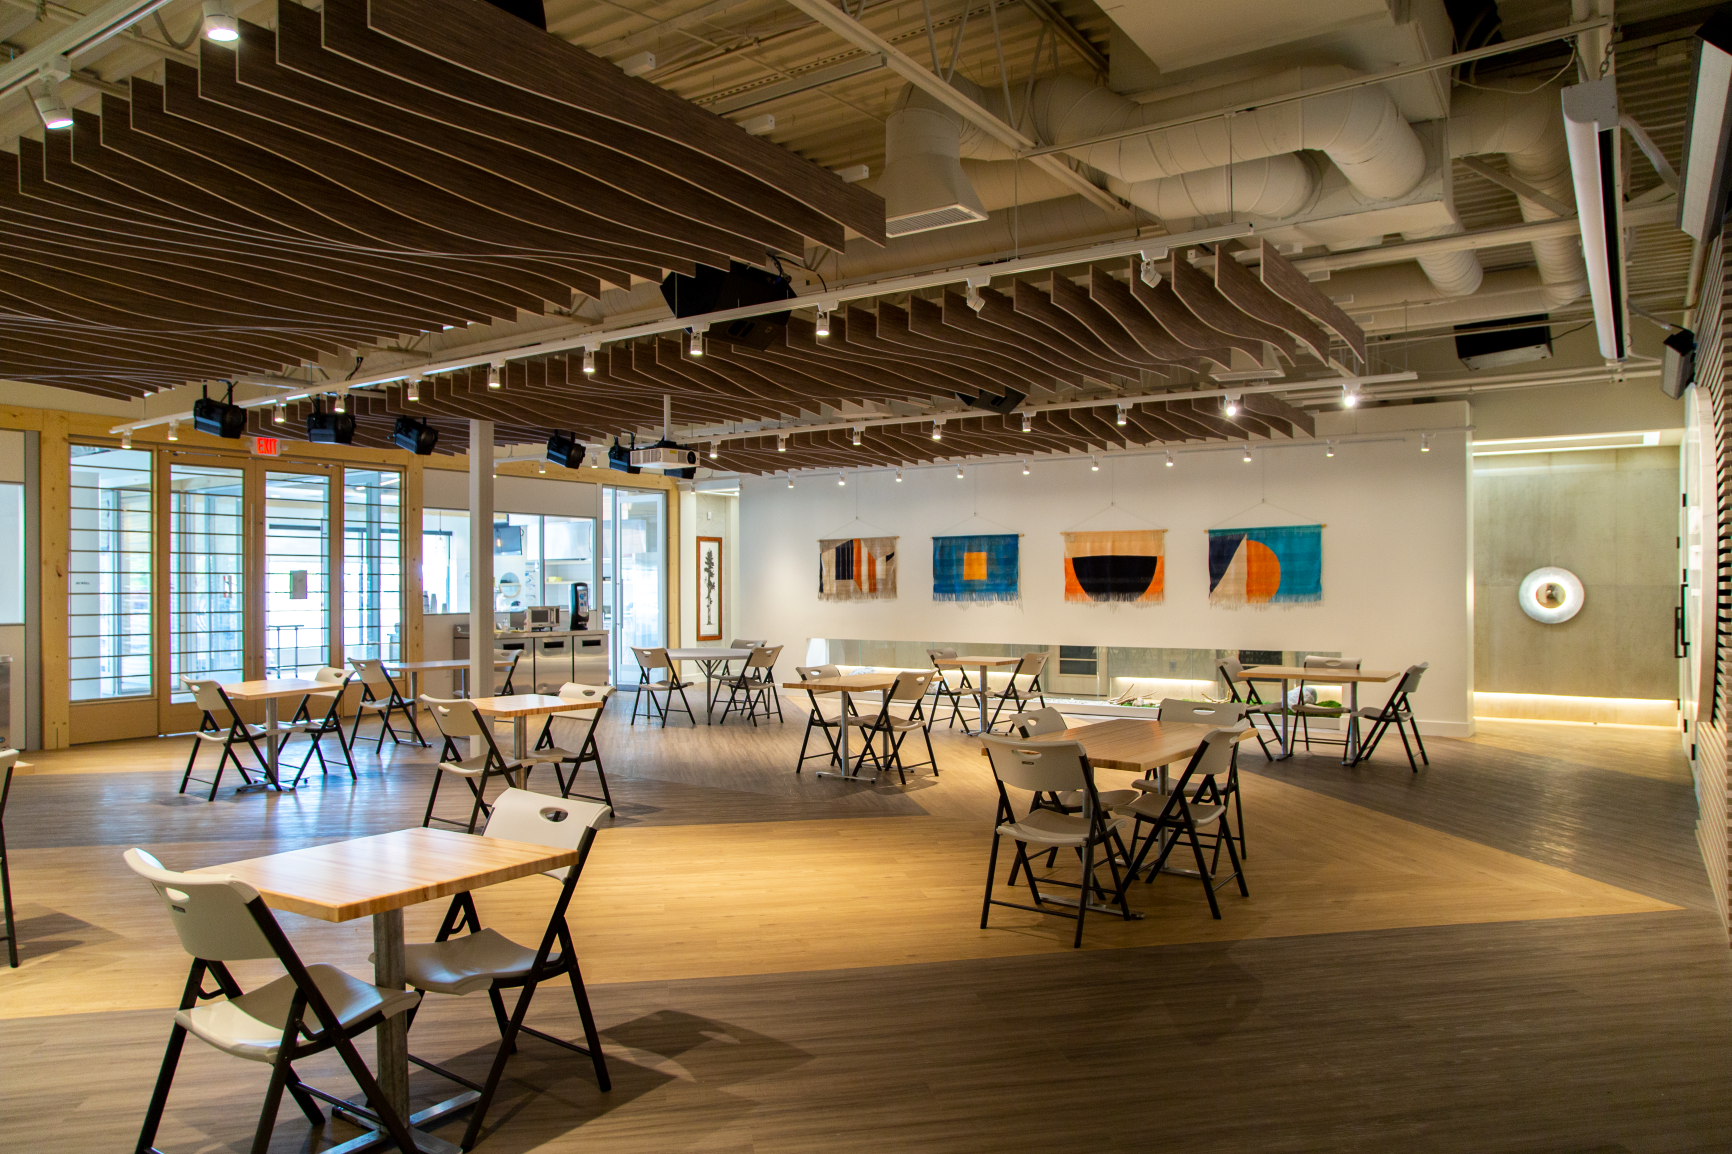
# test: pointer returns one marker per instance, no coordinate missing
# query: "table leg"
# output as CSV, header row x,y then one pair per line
x,y
709,668
1351,753
391,1066
841,740
1286,723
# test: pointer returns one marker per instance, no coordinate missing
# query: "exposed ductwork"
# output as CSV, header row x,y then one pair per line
x,y
923,184
1527,128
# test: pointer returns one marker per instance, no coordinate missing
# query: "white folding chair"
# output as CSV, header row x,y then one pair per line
x,y
1182,815
1322,665
379,695
1219,714
458,719
1029,666
826,724
484,959
1397,711
584,721
1052,767
311,1009
649,660
8,761
219,712
893,729
331,723
754,687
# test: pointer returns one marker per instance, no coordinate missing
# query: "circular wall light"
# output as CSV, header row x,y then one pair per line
x,y
1551,595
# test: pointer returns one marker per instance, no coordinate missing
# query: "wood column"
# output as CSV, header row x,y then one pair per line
x,y
481,558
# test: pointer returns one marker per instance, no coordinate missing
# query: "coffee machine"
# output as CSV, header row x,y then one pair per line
x,y
579,605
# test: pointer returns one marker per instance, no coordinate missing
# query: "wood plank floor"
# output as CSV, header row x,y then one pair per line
x,y
1511,950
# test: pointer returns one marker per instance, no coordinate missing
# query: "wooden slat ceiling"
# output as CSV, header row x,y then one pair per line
x,y
921,359
376,170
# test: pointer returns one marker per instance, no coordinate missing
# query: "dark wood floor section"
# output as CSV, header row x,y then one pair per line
x,y
1580,1034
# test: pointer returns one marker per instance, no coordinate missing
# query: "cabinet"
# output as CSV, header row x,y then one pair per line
x,y
549,659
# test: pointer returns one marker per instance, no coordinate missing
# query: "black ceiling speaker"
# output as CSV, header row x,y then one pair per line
x,y
219,418
1678,363
1511,341
530,10
416,436
713,290
563,449
330,428
1003,406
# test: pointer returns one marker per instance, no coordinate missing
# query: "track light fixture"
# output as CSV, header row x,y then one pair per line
x,y
974,299
495,374
281,415
339,402
1094,463
1169,458
541,467
412,390
938,430
899,474
781,443
1328,448
1247,454
1124,415
790,480
1350,396
174,430
694,342
50,107
1591,127
823,321
1425,442
589,360
219,22
126,438
714,450
841,480
959,472
1230,404
1028,422
1025,468
639,64
858,432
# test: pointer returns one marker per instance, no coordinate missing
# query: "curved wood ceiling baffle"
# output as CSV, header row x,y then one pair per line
x,y
666,363
1198,293
1094,362
489,41
926,322
1164,305
1235,282
1009,340
653,170
1106,291
328,212
469,171
1070,299
895,331
1294,287
540,158
940,375
211,95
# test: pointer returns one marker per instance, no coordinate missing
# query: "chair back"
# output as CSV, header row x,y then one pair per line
x,y
745,643
1410,680
210,697
1050,767
457,717
330,676
1215,754
1036,722
577,691
373,675
1231,671
8,759
209,911
648,659
764,657
542,819
910,686
1030,665
942,654
1314,662
814,672
1202,712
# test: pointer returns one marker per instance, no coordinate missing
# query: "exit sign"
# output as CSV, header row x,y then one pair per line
x,y
264,446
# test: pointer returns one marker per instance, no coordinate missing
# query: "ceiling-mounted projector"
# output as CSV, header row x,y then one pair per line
x,y
664,457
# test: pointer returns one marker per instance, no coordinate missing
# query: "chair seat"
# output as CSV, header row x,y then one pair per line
x,y
251,1026
1111,798
662,686
466,964
1321,710
256,731
1150,806
1375,713
899,724
477,765
380,705
1049,827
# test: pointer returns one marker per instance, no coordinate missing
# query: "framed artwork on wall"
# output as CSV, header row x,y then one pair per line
x,y
709,588
857,569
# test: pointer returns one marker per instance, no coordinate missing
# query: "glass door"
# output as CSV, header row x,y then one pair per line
x,y
372,564
297,574
109,575
634,574
206,576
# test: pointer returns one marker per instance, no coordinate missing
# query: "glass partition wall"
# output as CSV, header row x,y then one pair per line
x,y
634,574
108,575
297,574
372,564
206,575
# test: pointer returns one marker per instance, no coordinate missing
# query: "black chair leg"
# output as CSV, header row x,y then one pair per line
x,y
273,1099
991,866
159,1096
192,757
308,1104
1423,756
6,896
591,1036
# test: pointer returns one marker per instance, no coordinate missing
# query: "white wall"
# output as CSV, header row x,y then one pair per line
x,y
449,489
1397,550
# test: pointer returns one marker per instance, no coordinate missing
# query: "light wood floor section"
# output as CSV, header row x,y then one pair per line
x,y
696,901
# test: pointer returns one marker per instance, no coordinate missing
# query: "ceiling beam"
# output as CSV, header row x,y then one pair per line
x,y
104,23
934,86
1067,32
801,82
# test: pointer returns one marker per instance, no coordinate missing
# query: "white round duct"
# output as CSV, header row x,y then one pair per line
x,y
1270,189
1528,128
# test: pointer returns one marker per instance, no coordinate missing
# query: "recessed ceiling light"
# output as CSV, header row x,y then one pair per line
x,y
219,22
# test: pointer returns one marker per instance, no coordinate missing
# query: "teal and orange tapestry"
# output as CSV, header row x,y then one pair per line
x,y
857,569
1280,564
975,568
1128,565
